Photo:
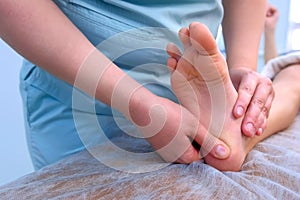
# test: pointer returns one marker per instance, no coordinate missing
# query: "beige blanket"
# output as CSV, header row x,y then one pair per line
x,y
271,171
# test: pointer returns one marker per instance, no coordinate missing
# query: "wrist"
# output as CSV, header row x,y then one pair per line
x,y
140,104
242,60
242,66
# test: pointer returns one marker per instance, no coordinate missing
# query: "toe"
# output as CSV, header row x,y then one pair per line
x,y
173,51
202,39
172,63
184,36
210,62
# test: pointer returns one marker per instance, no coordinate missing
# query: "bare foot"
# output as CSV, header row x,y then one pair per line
x,y
201,82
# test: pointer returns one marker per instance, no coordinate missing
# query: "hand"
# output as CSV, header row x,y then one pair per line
x,y
255,96
170,129
271,18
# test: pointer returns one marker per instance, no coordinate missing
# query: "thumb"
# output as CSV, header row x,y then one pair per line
x,y
211,145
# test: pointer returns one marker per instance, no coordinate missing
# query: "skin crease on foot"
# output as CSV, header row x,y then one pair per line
x,y
201,82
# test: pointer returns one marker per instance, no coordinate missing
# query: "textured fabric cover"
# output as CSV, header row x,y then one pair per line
x,y
270,171
275,65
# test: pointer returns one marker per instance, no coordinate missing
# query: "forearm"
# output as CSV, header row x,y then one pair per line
x,y
40,32
242,28
270,49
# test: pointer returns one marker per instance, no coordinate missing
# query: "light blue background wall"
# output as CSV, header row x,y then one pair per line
x,y
281,29
14,157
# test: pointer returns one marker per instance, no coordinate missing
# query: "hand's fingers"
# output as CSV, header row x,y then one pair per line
x,y
265,114
211,145
207,143
245,92
176,149
268,104
191,155
252,120
262,124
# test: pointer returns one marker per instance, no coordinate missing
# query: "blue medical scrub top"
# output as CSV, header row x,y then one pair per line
x,y
134,35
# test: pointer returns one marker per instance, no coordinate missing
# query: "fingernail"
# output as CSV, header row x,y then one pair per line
x,y
250,128
240,110
221,151
260,131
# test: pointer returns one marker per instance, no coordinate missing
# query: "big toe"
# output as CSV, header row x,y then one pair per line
x,y
210,62
202,39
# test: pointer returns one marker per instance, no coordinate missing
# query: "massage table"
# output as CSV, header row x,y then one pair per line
x,y
271,171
